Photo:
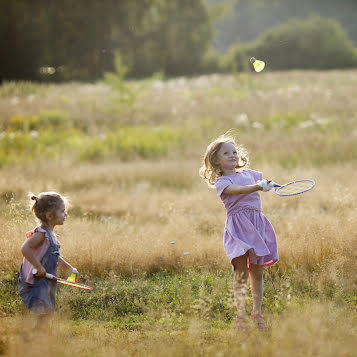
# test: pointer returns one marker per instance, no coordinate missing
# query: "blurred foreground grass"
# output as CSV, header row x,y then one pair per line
x,y
179,315
311,330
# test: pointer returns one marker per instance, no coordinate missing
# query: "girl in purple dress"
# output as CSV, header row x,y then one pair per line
x,y
249,238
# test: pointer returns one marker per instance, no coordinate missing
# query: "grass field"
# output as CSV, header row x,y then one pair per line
x,y
146,232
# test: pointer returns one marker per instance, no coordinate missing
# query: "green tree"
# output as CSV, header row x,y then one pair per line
x,y
79,38
246,20
316,43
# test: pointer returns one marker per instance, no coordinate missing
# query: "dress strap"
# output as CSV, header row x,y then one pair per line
x,y
54,246
49,235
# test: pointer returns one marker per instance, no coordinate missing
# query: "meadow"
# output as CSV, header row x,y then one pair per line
x,y
146,232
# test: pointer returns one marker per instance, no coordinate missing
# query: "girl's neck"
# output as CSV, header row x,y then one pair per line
x,y
48,225
228,172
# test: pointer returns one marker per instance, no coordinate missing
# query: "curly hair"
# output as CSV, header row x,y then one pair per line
x,y
210,169
46,202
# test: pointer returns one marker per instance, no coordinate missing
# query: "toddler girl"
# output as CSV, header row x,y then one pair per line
x,y
249,238
41,251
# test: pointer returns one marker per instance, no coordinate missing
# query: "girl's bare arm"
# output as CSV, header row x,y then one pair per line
x,y
237,190
64,264
28,249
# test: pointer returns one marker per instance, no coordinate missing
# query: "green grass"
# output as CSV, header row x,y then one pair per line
x,y
56,135
137,301
294,110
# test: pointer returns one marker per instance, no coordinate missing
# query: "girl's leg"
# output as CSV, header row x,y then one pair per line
x,y
240,277
42,322
256,280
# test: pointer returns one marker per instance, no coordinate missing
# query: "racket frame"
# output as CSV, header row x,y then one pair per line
x,y
63,281
290,183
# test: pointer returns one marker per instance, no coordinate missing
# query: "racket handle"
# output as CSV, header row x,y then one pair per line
x,y
48,276
276,185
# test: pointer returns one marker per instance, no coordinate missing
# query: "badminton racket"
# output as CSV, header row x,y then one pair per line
x,y
64,282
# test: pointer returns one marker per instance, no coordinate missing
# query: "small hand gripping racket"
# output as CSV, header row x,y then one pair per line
x,y
63,281
294,188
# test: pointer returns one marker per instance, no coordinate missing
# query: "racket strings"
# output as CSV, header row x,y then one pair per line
x,y
295,187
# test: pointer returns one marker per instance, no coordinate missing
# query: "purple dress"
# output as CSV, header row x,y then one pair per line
x,y
247,229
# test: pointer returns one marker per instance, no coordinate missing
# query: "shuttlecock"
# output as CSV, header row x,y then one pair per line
x,y
258,65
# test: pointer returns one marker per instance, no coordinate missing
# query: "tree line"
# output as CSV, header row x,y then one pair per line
x,y
77,40
246,20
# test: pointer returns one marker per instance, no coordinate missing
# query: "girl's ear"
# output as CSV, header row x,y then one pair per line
x,y
216,166
49,216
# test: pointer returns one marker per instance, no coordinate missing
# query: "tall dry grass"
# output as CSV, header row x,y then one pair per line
x,y
124,217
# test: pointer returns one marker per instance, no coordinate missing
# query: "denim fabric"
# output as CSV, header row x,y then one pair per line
x,y
40,297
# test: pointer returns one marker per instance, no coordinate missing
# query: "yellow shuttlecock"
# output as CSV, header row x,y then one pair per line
x,y
258,65
73,276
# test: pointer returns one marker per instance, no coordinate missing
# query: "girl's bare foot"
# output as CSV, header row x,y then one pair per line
x,y
241,323
259,320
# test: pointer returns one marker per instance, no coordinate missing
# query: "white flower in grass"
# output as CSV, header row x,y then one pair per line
x,y
15,101
257,125
306,124
34,134
242,119
31,97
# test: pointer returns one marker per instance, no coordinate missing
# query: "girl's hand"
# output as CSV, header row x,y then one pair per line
x,y
271,184
41,271
265,185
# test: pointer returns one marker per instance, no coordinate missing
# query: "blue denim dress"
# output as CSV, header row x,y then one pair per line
x,y
40,297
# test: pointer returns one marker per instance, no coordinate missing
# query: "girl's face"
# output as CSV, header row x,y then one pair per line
x,y
59,215
227,157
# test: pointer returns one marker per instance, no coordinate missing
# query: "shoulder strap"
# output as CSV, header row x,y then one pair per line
x,y
49,235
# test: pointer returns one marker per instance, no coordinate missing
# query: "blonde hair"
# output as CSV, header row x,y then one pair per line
x,y
210,170
46,202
